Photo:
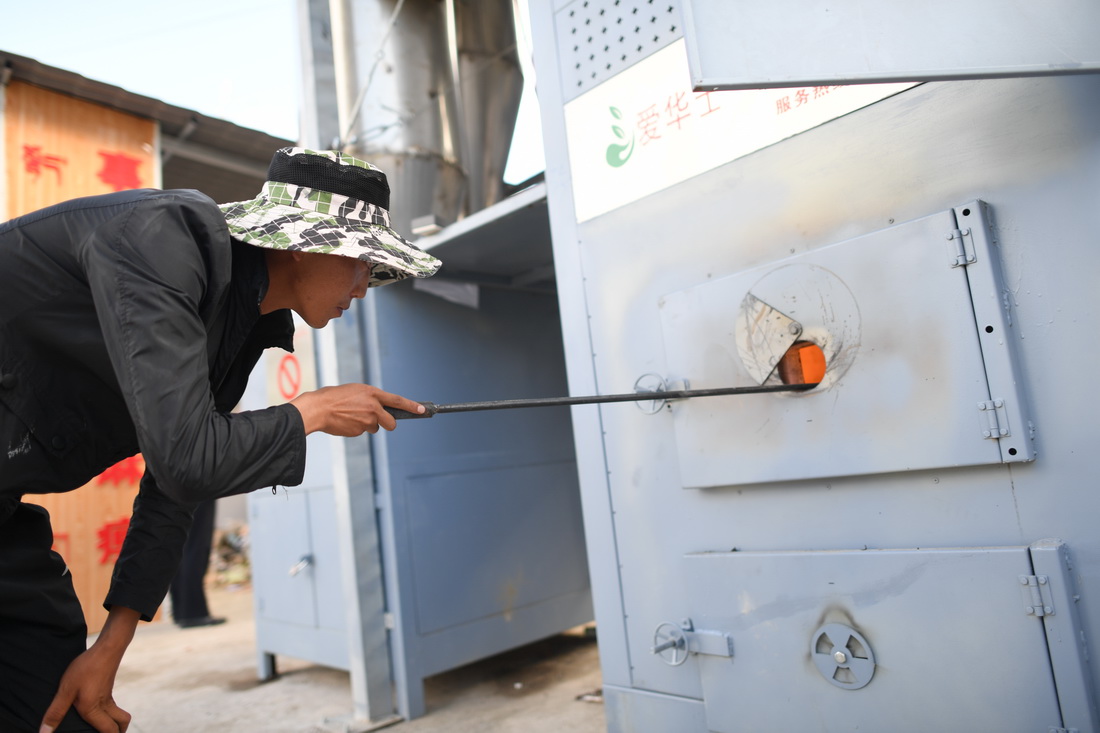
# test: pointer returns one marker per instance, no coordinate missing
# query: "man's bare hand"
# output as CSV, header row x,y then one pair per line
x,y
88,682
349,410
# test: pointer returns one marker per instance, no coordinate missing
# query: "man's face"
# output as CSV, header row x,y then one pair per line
x,y
327,284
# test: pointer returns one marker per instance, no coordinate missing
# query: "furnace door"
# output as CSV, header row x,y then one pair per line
x,y
917,342
877,640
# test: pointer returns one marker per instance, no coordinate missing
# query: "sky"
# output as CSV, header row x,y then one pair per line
x,y
217,57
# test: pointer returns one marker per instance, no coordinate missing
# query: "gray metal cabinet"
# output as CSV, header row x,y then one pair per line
x,y
295,572
451,539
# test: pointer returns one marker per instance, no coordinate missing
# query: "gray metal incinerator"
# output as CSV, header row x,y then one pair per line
x,y
909,193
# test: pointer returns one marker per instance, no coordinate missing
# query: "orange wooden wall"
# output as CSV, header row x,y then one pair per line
x,y
58,148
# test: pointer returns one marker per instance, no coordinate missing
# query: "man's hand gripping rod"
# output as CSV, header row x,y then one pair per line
x,y
431,409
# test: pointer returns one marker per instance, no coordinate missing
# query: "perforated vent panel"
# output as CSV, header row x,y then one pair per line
x,y
599,38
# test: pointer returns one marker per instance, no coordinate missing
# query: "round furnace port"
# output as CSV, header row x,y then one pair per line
x,y
804,363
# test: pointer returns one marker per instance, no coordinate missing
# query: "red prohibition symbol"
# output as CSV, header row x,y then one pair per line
x,y
289,377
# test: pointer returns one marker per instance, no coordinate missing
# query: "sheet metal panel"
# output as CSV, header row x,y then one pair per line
x,y
459,563
631,710
284,540
791,43
953,648
518,522
894,319
600,38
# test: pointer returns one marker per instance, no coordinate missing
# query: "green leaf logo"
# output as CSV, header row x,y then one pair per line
x,y
618,153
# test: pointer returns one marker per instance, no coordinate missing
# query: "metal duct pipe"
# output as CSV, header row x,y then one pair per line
x,y
397,104
491,82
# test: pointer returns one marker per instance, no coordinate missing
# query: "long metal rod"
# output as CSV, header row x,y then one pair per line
x,y
432,409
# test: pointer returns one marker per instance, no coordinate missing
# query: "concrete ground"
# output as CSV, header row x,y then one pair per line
x,y
204,679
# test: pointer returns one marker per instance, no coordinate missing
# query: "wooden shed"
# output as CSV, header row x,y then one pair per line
x,y
63,136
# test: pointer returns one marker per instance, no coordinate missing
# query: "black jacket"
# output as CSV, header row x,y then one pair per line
x,y
130,322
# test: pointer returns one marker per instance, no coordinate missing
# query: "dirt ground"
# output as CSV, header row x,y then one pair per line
x,y
204,679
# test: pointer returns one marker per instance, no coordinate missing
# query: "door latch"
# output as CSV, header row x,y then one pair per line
x,y
674,642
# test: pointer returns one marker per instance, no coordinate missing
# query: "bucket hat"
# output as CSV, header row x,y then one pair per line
x,y
329,202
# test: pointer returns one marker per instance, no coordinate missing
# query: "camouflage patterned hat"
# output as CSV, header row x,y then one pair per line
x,y
329,202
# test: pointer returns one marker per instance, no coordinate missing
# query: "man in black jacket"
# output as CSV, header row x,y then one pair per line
x,y
130,322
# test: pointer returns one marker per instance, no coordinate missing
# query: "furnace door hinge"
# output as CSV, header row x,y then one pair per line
x,y
673,642
962,247
1038,600
996,419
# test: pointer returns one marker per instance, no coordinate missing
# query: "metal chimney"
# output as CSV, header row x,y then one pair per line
x,y
491,83
429,91
396,101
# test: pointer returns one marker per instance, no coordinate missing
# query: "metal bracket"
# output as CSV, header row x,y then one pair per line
x,y
996,419
1038,600
672,642
962,253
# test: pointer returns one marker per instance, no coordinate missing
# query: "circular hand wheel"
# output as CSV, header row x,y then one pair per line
x,y
650,383
670,644
843,656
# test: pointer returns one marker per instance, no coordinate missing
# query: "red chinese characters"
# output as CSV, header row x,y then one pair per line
x,y
801,97
705,96
120,171
648,121
128,470
110,537
61,543
34,161
678,110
